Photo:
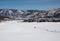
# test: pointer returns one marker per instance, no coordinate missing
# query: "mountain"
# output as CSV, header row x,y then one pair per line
x,y
31,15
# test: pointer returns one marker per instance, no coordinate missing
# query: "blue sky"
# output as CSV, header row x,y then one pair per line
x,y
29,4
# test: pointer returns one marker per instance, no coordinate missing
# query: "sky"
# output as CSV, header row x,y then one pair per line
x,y
29,4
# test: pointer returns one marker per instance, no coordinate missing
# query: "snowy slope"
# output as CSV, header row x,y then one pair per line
x,y
13,31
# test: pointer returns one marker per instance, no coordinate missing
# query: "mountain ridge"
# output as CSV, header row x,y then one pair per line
x,y
31,15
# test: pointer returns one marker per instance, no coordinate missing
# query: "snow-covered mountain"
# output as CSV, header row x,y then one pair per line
x,y
31,15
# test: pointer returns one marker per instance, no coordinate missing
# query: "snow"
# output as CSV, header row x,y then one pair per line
x,y
1,11
10,11
21,12
45,31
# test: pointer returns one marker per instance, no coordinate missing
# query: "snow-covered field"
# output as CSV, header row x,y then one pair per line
x,y
21,31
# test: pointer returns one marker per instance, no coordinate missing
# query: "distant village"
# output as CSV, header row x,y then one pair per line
x,y
52,15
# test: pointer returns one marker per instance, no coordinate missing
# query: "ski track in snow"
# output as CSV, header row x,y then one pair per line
x,y
45,31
